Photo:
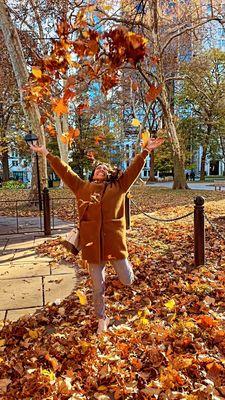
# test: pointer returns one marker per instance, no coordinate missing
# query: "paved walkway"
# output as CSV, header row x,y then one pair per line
x,y
27,281
192,185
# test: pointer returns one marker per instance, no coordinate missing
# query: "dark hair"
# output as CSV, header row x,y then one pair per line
x,y
113,173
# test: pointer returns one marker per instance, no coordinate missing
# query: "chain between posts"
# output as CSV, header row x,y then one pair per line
x,y
214,227
162,219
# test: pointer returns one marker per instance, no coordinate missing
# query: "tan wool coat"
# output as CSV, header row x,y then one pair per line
x,y
101,209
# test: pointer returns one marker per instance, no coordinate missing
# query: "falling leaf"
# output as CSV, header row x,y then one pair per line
x,y
153,93
60,107
170,304
36,71
82,297
73,133
135,122
145,136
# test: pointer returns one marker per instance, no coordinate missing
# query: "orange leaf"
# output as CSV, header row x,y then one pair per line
x,y
153,93
51,130
207,322
65,138
60,107
99,139
134,86
68,95
71,80
73,133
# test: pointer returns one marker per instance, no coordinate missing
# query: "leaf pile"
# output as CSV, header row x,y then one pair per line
x,y
167,334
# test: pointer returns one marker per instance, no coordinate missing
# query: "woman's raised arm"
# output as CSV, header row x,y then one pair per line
x,y
132,172
63,170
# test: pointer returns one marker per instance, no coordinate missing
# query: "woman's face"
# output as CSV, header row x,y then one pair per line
x,y
100,173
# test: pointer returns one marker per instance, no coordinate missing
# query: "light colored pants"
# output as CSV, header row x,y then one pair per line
x,y
125,274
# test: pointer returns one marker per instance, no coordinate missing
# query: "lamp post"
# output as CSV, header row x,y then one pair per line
x,y
31,138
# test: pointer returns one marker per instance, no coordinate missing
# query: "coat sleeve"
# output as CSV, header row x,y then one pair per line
x,y
132,172
64,172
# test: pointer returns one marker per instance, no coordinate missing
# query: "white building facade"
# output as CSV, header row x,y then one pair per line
x,y
129,145
19,168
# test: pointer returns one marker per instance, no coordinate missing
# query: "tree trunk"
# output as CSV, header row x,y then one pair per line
x,y
18,61
204,153
152,167
5,166
179,172
203,160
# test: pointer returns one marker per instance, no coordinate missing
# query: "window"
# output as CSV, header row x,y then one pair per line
x,y
127,146
133,154
18,175
14,153
15,163
128,163
145,174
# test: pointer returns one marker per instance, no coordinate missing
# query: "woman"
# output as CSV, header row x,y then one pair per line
x,y
101,208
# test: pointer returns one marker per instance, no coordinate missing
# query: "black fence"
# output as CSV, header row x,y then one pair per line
x,y
27,216
199,225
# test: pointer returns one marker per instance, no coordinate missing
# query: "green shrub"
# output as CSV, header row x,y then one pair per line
x,y
14,185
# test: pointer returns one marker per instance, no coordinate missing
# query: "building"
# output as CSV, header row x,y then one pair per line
x,y
212,36
129,148
19,168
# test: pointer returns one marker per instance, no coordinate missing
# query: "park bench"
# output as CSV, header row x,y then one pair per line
x,y
219,184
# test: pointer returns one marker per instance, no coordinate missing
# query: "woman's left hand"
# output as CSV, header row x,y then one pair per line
x,y
153,143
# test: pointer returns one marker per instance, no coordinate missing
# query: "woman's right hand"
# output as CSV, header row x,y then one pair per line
x,y
39,149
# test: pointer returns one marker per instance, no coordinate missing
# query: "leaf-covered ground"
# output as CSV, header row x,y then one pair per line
x,y
62,200
167,334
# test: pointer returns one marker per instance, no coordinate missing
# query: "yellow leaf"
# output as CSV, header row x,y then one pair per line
x,y
48,373
102,388
85,345
36,72
33,334
82,297
170,304
145,136
2,342
135,122
107,7
144,321
189,325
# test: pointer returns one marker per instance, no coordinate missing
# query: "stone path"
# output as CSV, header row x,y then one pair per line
x,y
27,281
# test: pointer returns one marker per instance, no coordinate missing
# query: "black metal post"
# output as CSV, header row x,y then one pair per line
x,y
38,183
47,216
199,231
127,211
